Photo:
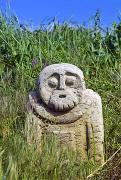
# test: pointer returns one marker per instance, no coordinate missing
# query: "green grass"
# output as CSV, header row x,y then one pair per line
x,y
22,56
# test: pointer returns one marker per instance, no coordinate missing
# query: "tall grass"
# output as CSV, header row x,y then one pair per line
x,y
23,53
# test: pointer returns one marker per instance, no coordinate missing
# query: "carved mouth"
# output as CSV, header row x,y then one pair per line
x,y
62,96
63,102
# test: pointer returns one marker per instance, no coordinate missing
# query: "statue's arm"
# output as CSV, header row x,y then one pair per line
x,y
95,129
33,126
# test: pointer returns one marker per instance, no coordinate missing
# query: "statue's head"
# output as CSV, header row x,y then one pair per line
x,y
60,86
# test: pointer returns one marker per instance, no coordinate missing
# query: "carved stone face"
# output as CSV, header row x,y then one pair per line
x,y
61,86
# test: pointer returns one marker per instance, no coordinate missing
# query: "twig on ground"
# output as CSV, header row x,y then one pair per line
x,y
100,167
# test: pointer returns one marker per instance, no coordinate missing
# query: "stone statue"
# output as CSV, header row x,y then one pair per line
x,y
61,105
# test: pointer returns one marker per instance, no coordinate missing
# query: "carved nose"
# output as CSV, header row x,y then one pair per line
x,y
62,96
62,83
62,87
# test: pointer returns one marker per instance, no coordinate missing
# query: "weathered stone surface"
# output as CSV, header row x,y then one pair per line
x,y
62,105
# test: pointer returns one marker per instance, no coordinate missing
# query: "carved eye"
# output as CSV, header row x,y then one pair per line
x,y
53,82
70,81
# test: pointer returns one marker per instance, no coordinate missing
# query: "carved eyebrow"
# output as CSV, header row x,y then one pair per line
x,y
71,74
55,75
